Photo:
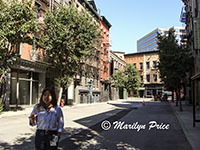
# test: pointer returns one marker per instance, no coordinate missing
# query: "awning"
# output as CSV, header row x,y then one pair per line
x,y
87,91
96,92
153,85
83,91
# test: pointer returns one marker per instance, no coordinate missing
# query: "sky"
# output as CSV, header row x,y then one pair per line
x,y
133,19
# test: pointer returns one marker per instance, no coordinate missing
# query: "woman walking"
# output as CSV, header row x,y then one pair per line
x,y
49,120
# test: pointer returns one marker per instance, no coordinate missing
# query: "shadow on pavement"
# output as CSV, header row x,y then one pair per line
x,y
85,138
89,138
14,108
78,137
21,143
27,143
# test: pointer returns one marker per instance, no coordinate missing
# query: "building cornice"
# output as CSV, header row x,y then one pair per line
x,y
140,53
29,65
106,22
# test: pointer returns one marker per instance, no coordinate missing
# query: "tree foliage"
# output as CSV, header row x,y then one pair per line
x,y
175,61
68,36
119,79
129,78
17,24
132,78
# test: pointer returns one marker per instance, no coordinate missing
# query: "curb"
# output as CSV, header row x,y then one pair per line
x,y
27,110
182,126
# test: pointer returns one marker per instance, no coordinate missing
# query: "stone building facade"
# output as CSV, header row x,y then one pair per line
x,y
116,64
146,63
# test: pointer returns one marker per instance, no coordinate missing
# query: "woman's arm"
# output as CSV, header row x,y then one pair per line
x,y
60,121
32,118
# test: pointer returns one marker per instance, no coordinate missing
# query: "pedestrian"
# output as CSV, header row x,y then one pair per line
x,y
48,117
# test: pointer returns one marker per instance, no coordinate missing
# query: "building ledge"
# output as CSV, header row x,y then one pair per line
x,y
196,76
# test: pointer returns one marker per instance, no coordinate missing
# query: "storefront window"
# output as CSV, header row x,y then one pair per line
x,y
24,92
35,93
24,74
148,92
13,87
35,76
28,82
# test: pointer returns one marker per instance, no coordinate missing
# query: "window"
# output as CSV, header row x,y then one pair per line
x,y
141,66
37,6
64,2
134,64
28,83
154,64
141,78
148,65
155,77
148,92
148,78
35,55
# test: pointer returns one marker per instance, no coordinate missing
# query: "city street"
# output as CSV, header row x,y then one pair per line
x,y
144,139
130,127
121,84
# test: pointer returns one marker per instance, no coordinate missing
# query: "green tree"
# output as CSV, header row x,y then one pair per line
x,y
119,79
132,78
128,79
68,36
175,62
17,25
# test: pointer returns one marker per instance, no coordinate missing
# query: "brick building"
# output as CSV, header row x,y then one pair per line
x,y
29,75
146,63
104,58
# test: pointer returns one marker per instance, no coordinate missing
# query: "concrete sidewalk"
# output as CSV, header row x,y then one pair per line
x,y
185,118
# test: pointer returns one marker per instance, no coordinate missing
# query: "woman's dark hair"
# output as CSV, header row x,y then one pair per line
x,y
53,94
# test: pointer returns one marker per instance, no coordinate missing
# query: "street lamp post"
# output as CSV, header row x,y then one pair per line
x,y
90,87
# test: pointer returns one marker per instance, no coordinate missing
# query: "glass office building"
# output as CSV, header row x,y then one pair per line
x,y
149,41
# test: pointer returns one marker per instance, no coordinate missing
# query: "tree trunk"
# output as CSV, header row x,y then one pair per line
x,y
1,97
4,98
177,98
180,103
172,95
60,96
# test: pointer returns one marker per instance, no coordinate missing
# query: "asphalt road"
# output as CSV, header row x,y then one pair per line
x,y
135,127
